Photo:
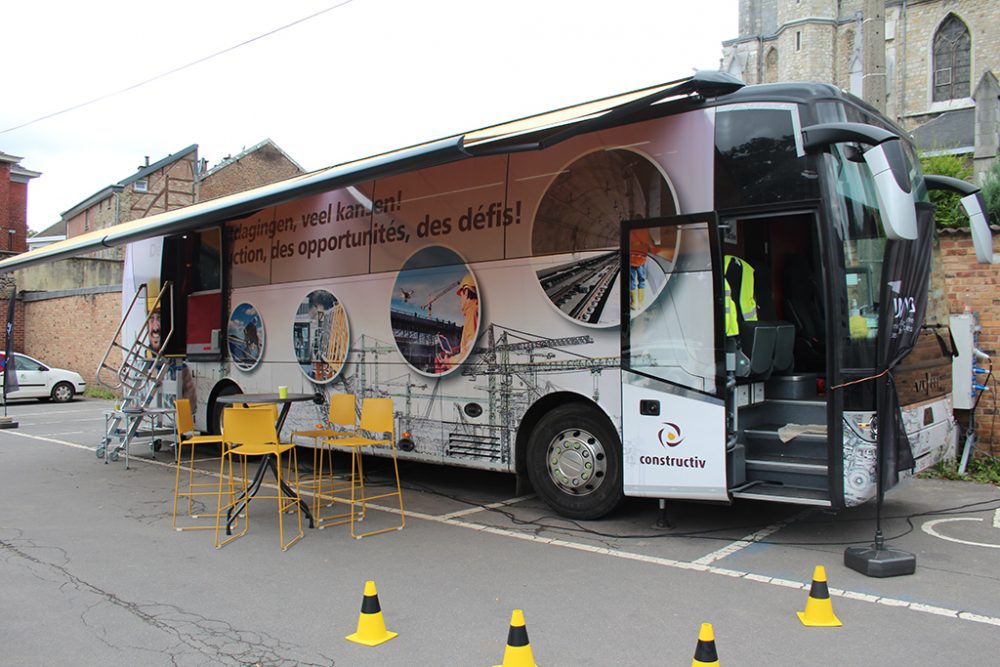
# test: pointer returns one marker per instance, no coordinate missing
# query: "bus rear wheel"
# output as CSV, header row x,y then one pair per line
x,y
574,462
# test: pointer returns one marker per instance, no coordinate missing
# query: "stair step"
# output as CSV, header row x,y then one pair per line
x,y
771,430
801,464
784,494
784,411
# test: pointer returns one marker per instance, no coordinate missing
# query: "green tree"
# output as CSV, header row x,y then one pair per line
x,y
947,212
991,192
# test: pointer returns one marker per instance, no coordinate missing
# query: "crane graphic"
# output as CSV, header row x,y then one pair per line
x,y
429,305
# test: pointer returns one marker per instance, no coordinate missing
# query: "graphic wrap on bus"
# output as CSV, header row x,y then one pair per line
x,y
472,289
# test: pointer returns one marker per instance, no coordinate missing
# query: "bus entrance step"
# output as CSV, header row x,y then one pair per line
x,y
795,495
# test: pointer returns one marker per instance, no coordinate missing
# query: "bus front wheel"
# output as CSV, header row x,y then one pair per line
x,y
574,462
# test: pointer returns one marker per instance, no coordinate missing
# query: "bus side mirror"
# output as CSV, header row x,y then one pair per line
x,y
975,207
887,163
982,238
892,189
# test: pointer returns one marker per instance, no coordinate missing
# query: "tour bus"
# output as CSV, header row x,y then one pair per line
x,y
674,293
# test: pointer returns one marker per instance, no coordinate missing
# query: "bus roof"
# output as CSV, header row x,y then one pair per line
x,y
531,133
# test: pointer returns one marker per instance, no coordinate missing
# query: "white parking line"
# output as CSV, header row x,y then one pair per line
x,y
52,440
738,545
50,413
642,558
929,528
483,508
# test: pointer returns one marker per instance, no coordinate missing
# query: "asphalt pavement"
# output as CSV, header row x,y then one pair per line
x,y
94,574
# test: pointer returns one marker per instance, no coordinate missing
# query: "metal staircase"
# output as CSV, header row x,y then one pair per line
x,y
139,377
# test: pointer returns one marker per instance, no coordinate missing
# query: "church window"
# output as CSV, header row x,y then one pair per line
x,y
952,60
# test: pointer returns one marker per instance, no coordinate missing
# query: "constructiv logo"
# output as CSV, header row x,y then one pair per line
x,y
670,435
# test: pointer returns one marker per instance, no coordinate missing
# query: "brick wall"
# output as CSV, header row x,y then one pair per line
x,y
71,332
261,167
19,343
977,286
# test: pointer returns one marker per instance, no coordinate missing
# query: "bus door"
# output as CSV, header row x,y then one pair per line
x,y
673,359
192,261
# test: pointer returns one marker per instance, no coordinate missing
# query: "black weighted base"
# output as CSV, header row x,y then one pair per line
x,y
873,561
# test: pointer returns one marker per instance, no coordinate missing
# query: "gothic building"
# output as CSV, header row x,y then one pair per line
x,y
930,65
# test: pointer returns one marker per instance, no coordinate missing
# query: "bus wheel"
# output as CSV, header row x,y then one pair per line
x,y
574,462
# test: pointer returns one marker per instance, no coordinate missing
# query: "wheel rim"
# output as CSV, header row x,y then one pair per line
x,y
576,462
62,393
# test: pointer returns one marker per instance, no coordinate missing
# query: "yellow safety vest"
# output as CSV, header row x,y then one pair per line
x,y
748,305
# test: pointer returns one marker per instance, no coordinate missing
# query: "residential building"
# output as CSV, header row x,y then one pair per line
x,y
14,180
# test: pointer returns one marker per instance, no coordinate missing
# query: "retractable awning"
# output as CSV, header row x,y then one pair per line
x,y
532,133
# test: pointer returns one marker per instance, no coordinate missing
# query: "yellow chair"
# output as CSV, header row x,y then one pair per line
x,y
272,409
251,433
343,422
376,419
187,437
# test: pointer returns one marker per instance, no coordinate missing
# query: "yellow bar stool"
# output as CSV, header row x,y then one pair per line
x,y
342,421
376,419
272,409
188,437
251,433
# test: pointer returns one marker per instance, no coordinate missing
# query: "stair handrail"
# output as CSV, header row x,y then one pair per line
x,y
103,365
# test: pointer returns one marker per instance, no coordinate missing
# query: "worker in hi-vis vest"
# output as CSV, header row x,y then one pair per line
x,y
735,270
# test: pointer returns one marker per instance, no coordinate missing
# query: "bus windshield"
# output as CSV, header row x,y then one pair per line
x,y
858,223
861,233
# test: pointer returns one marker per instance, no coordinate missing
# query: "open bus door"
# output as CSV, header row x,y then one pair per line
x,y
674,414
193,262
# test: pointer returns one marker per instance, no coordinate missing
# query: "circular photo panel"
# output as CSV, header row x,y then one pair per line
x,y
321,336
246,337
575,233
435,311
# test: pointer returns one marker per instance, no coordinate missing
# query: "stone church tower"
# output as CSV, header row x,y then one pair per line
x,y
939,60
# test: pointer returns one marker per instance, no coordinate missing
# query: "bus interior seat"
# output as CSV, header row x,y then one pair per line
x,y
803,308
756,343
784,347
764,344
784,339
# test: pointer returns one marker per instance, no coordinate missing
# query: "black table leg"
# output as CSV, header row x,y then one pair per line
x,y
268,462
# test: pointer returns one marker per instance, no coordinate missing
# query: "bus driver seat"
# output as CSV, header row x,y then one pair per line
x,y
755,340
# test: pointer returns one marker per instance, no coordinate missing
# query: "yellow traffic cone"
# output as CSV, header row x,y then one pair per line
x,y
371,626
518,651
819,611
704,654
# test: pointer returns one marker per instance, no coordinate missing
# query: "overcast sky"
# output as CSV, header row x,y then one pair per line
x,y
363,78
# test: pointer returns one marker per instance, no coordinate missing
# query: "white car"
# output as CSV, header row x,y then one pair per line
x,y
36,380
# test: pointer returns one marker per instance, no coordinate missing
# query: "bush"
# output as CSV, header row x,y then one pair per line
x,y
981,469
947,212
991,192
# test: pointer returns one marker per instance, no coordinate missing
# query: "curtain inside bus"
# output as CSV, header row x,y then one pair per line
x,y
906,271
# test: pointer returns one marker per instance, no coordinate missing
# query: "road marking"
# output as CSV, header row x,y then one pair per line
x,y
741,544
49,413
929,529
642,558
996,518
483,508
52,440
